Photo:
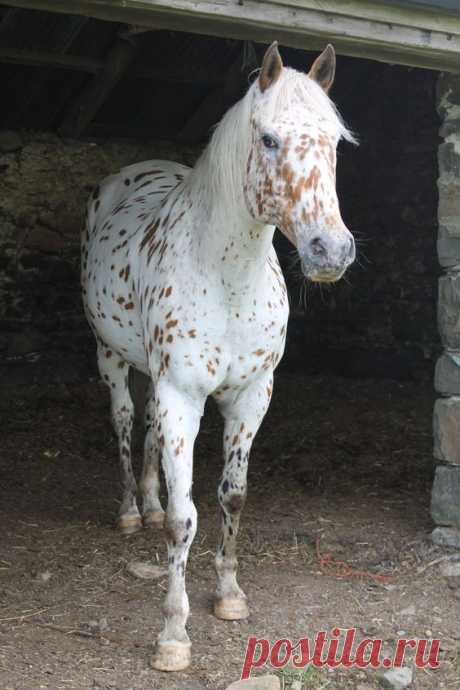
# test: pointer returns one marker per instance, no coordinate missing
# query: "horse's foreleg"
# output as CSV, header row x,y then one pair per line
x,y
177,426
114,372
242,420
152,512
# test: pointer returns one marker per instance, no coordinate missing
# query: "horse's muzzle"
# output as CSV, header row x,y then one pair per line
x,y
325,258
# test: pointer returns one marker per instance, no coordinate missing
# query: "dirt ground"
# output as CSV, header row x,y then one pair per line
x,y
345,465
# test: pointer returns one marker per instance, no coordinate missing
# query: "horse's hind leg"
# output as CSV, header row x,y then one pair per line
x,y
242,420
152,512
114,371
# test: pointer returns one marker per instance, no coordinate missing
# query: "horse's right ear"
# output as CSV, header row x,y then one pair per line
x,y
272,65
323,68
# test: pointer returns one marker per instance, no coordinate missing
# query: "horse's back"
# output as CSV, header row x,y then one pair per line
x,y
147,183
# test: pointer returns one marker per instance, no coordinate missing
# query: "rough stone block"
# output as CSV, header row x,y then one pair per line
x,y
447,374
446,536
23,343
449,244
446,429
445,496
9,141
449,127
449,310
448,94
44,240
449,158
449,201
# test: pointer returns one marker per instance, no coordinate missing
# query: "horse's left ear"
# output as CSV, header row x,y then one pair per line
x,y
323,68
272,65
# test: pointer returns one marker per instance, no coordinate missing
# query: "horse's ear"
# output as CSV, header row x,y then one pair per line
x,y
272,65
323,68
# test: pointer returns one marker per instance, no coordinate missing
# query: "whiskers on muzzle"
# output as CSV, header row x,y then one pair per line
x,y
325,258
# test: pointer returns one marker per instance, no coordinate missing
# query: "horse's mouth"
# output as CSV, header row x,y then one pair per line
x,y
325,275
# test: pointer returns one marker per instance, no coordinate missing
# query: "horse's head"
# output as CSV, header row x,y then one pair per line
x,y
291,169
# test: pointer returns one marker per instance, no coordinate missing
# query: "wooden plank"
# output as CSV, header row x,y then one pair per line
x,y
451,6
380,12
186,74
60,31
294,24
85,108
44,59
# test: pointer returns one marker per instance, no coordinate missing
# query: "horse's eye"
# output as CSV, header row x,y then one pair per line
x,y
269,142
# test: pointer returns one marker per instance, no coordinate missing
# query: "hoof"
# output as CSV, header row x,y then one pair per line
x,y
231,609
128,524
154,518
172,656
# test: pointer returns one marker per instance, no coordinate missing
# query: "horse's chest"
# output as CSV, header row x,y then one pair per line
x,y
231,344
255,338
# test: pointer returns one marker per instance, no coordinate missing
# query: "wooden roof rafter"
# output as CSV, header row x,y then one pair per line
x,y
84,109
41,58
407,35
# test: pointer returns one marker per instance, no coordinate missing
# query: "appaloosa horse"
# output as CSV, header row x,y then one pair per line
x,y
181,282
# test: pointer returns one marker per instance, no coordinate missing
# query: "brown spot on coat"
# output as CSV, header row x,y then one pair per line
x,y
156,171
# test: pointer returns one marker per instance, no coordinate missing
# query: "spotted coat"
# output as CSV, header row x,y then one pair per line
x,y
181,282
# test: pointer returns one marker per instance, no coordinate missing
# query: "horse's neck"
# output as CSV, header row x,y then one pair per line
x,y
236,244
230,245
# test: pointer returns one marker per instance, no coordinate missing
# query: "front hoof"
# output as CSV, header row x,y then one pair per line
x,y
172,656
128,524
231,608
154,519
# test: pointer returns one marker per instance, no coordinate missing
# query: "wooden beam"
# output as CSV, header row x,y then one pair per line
x,y
180,74
185,73
85,108
70,27
409,36
35,58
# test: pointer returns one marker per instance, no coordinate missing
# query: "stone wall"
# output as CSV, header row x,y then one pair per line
x,y
445,506
44,184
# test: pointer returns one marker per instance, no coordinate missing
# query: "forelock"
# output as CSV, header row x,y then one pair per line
x,y
295,90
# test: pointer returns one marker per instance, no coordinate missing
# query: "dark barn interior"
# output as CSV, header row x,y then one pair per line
x,y
347,443
169,90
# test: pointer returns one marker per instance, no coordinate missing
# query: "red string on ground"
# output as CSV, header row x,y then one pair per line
x,y
344,570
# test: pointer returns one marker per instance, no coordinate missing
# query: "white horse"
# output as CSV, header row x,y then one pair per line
x,y
181,281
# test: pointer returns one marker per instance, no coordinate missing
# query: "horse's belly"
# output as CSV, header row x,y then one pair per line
x,y
126,341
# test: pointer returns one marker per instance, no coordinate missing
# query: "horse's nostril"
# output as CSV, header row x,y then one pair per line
x,y
317,247
351,250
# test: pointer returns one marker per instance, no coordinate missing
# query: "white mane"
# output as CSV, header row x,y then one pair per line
x,y
220,169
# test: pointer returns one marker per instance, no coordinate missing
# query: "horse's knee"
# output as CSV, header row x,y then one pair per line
x,y
231,498
122,416
180,531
